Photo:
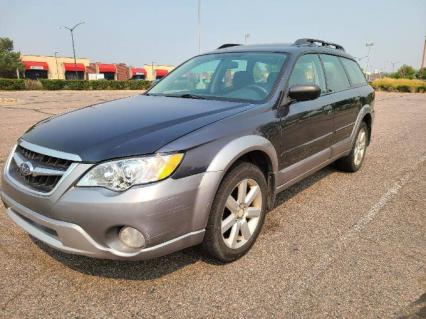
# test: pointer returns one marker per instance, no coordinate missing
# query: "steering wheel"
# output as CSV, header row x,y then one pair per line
x,y
258,89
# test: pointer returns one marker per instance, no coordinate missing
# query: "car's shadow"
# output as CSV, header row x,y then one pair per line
x,y
159,267
302,185
130,270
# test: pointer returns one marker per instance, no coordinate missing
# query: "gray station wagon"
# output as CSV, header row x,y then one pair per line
x,y
198,159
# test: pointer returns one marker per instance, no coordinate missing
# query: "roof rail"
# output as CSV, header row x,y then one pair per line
x,y
228,45
318,43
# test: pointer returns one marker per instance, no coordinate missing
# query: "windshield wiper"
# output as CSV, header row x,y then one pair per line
x,y
189,96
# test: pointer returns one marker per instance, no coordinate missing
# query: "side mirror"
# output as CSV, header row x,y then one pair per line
x,y
304,92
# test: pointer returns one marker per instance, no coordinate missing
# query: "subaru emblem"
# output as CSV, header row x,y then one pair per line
x,y
26,169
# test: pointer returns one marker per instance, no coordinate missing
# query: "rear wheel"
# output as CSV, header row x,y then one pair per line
x,y
237,214
354,160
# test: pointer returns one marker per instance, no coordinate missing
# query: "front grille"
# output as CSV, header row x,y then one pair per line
x,y
38,181
44,160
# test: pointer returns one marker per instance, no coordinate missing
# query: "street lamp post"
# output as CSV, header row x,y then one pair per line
x,y
199,26
369,45
71,30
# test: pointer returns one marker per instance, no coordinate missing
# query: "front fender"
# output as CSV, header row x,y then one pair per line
x,y
240,146
219,165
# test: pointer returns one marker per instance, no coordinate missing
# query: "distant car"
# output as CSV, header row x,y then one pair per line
x,y
196,160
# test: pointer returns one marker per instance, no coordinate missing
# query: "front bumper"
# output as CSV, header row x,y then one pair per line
x,y
71,238
171,214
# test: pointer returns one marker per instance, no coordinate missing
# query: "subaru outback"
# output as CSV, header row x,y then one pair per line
x,y
197,159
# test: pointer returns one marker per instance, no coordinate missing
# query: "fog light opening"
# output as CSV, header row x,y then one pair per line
x,y
131,237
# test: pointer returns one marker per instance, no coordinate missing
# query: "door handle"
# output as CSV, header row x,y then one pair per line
x,y
328,109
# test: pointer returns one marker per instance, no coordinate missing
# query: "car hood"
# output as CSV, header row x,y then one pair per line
x,y
127,127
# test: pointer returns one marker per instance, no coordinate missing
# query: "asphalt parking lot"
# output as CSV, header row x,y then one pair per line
x,y
336,245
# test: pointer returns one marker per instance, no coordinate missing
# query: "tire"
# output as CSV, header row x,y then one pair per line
x,y
241,222
353,161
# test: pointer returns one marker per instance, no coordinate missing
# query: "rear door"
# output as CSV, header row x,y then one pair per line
x,y
308,125
345,101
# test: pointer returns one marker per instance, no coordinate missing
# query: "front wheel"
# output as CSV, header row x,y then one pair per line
x,y
354,160
237,213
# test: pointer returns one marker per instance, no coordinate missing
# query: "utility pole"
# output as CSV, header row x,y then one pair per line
x,y
57,67
71,30
199,26
393,66
246,36
369,45
424,55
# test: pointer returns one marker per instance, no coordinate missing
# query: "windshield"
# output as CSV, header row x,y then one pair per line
x,y
248,76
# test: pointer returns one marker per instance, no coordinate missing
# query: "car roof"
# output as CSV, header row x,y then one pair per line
x,y
290,48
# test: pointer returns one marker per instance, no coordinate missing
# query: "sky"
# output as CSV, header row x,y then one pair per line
x,y
140,32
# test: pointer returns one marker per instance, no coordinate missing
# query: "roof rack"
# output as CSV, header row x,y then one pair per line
x,y
318,43
228,45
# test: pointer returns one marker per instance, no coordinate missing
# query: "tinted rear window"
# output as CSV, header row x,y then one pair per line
x,y
335,75
354,72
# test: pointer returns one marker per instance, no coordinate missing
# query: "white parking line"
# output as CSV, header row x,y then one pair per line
x,y
343,241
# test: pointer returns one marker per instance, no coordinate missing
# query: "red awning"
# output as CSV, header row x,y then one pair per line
x,y
79,67
107,68
34,65
161,72
138,71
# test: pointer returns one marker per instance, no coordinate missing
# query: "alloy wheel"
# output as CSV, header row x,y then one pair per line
x,y
241,214
360,146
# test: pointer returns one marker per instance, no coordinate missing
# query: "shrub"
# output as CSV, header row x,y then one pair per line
x,y
12,84
33,85
118,85
53,84
139,85
77,85
403,88
401,85
25,84
99,84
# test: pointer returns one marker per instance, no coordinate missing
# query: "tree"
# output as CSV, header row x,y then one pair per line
x,y
421,74
10,61
406,72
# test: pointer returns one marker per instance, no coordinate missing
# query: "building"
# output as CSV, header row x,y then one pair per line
x,y
121,71
137,73
55,67
51,67
99,71
156,72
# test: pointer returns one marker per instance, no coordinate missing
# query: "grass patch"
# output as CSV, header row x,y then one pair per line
x,y
399,85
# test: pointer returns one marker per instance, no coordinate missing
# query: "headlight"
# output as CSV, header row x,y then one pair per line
x,y
122,174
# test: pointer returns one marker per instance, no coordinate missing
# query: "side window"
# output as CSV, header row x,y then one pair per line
x,y
334,73
354,72
308,71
